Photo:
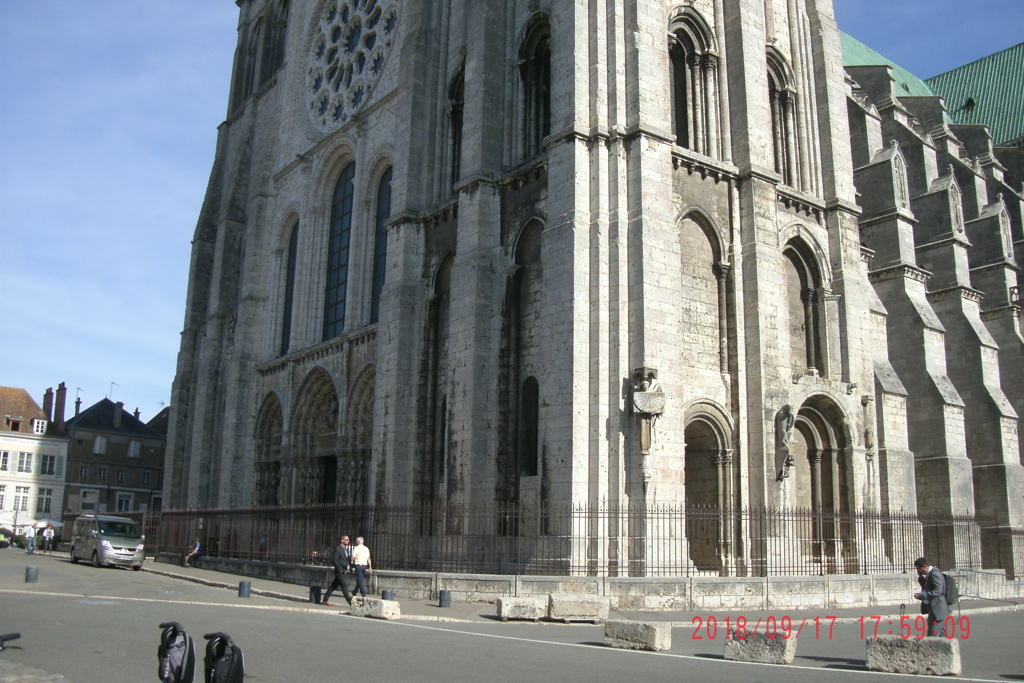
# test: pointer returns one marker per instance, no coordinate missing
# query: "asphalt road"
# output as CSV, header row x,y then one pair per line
x,y
101,625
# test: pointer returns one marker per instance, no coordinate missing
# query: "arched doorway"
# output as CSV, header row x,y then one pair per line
x,y
708,475
269,439
821,488
314,467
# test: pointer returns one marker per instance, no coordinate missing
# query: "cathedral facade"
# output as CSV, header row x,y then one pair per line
x,y
639,253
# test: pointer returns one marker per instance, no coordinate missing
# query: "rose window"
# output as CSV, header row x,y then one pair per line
x,y
350,42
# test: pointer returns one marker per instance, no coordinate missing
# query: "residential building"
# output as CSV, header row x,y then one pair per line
x,y
115,461
33,454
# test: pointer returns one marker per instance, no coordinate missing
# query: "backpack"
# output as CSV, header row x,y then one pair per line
x,y
176,654
952,592
223,659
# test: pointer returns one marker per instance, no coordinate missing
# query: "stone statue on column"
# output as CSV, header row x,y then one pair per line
x,y
648,403
785,440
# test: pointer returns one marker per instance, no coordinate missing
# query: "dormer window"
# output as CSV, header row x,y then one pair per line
x,y
38,426
14,423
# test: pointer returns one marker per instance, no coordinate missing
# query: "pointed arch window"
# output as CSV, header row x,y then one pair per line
x,y
338,254
902,190
803,283
289,290
782,100
535,73
694,73
253,58
380,243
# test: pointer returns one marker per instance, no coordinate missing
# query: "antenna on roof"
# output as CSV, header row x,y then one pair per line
x,y
161,404
112,385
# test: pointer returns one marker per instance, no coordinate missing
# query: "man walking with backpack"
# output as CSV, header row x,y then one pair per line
x,y
932,596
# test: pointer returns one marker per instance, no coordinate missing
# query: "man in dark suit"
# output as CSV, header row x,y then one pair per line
x,y
342,561
932,596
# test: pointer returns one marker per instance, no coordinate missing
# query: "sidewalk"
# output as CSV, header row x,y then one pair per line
x,y
428,610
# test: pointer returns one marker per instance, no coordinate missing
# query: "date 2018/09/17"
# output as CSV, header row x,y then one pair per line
x,y
824,627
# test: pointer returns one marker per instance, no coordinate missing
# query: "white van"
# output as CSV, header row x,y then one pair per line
x,y
104,540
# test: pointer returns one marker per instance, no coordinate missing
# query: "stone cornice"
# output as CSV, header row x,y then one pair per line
x,y
1002,264
891,214
958,291
800,202
320,351
901,271
704,166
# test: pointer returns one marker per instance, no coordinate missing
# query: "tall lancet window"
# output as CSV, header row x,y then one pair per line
x,y
782,100
694,74
535,73
456,102
902,190
336,294
289,290
380,243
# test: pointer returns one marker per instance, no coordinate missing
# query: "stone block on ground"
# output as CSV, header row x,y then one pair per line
x,y
522,608
758,647
935,656
568,607
376,608
638,635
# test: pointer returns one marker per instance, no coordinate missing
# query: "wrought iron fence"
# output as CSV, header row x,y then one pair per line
x,y
594,540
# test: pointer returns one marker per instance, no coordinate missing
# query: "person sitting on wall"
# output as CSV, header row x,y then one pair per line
x,y
194,553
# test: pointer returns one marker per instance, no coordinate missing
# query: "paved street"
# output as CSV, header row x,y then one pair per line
x,y
101,625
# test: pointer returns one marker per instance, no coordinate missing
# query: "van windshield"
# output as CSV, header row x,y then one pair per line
x,y
123,529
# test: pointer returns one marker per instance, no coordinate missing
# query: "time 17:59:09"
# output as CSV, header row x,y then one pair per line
x,y
912,627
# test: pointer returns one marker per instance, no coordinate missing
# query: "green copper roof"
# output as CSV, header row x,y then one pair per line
x,y
989,91
856,53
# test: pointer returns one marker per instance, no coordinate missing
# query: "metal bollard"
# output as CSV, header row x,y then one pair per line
x,y
31,574
244,588
314,595
445,599
387,594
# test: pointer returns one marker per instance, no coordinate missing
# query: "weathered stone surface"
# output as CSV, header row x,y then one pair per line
x,y
522,608
638,635
758,647
577,608
935,656
376,608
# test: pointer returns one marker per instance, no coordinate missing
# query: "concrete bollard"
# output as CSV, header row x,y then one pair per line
x,y
314,595
31,574
444,599
244,588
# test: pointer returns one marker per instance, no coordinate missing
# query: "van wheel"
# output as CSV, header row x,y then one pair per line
x,y
95,559
74,558
137,567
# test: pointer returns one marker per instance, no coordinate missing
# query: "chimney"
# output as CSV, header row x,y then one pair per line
x,y
118,411
136,413
78,406
58,413
48,404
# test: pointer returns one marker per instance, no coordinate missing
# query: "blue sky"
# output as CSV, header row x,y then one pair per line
x,y
108,121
